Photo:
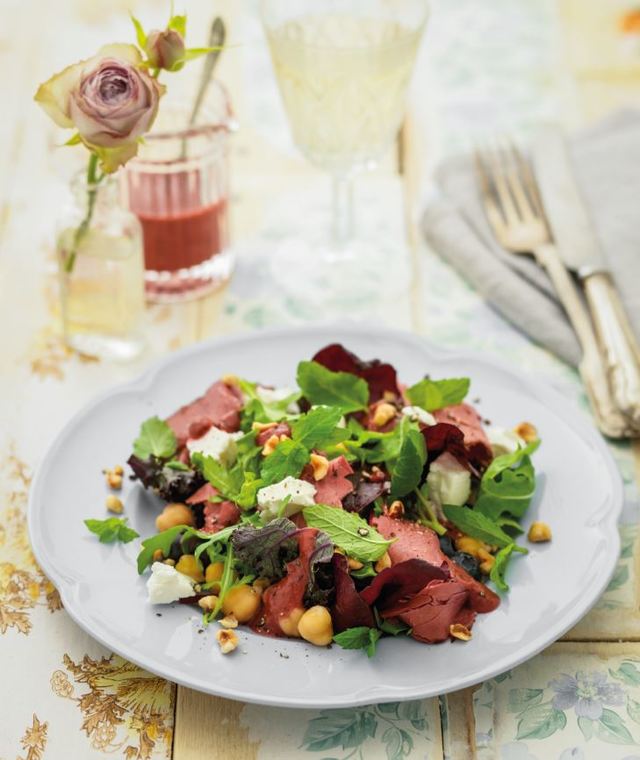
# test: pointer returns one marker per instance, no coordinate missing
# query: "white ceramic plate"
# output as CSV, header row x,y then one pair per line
x,y
579,495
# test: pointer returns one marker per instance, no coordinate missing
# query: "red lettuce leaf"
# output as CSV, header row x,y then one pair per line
x,y
380,377
349,609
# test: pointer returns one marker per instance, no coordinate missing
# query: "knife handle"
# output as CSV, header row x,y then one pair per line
x,y
617,343
608,417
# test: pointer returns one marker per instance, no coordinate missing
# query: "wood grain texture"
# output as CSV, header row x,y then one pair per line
x,y
208,728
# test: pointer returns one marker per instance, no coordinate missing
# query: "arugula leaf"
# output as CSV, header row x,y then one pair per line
x,y
227,481
396,628
210,545
360,637
348,531
226,583
316,426
175,464
508,484
160,541
499,567
156,439
436,394
246,498
406,472
288,458
320,385
479,526
264,551
112,529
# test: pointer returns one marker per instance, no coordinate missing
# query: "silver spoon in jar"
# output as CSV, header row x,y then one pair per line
x,y
217,37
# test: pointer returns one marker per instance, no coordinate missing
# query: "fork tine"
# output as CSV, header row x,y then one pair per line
x,y
495,170
494,215
515,182
530,182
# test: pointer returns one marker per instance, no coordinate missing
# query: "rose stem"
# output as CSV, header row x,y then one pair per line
x,y
92,181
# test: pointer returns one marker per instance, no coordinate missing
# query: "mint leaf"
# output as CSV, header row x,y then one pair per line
x,y
249,491
479,526
288,458
499,567
360,637
508,484
348,531
320,385
316,427
156,439
436,394
112,529
406,472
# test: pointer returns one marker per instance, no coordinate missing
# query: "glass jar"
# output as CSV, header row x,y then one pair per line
x,y
178,187
101,272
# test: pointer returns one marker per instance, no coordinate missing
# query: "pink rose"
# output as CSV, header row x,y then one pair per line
x,y
110,99
165,50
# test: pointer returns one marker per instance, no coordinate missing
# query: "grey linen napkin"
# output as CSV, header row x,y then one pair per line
x,y
607,165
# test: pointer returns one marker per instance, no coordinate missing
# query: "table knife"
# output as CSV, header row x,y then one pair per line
x,y
580,251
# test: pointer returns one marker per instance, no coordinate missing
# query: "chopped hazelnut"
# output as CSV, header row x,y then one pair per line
x,y
354,564
270,445
459,631
396,509
383,563
383,413
539,532
526,431
319,465
208,603
229,621
114,504
227,639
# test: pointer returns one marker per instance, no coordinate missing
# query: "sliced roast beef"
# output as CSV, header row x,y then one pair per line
x,y
432,611
465,417
419,542
349,610
203,494
402,581
335,485
219,515
380,377
286,597
220,406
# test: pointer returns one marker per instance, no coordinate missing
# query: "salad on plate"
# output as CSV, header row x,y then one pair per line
x,y
348,508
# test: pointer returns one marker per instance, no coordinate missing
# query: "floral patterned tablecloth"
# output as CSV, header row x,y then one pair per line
x,y
501,63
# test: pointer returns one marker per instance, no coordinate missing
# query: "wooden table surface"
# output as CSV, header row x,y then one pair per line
x,y
509,63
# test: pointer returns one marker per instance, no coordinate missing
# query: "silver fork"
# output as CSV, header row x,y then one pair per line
x,y
514,209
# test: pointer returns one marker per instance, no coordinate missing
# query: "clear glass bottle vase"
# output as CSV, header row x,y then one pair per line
x,y
101,271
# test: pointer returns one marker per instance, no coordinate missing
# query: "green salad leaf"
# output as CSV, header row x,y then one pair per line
x,y
112,529
288,458
256,410
227,480
508,484
436,394
155,439
478,526
499,567
316,427
348,531
360,637
160,541
320,385
406,471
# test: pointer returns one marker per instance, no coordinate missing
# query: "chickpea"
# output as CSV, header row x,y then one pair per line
x,y
316,626
172,515
158,556
539,532
242,602
289,624
261,584
188,565
354,564
213,573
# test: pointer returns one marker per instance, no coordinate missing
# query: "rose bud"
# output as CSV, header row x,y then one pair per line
x,y
165,49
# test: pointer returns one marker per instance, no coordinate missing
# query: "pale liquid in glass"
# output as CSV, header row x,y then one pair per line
x,y
103,298
343,81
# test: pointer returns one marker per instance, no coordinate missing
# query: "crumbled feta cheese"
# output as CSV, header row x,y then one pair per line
x,y
271,499
504,441
167,585
418,414
449,482
272,395
218,444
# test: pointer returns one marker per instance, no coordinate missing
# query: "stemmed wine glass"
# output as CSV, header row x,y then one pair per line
x,y
343,68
